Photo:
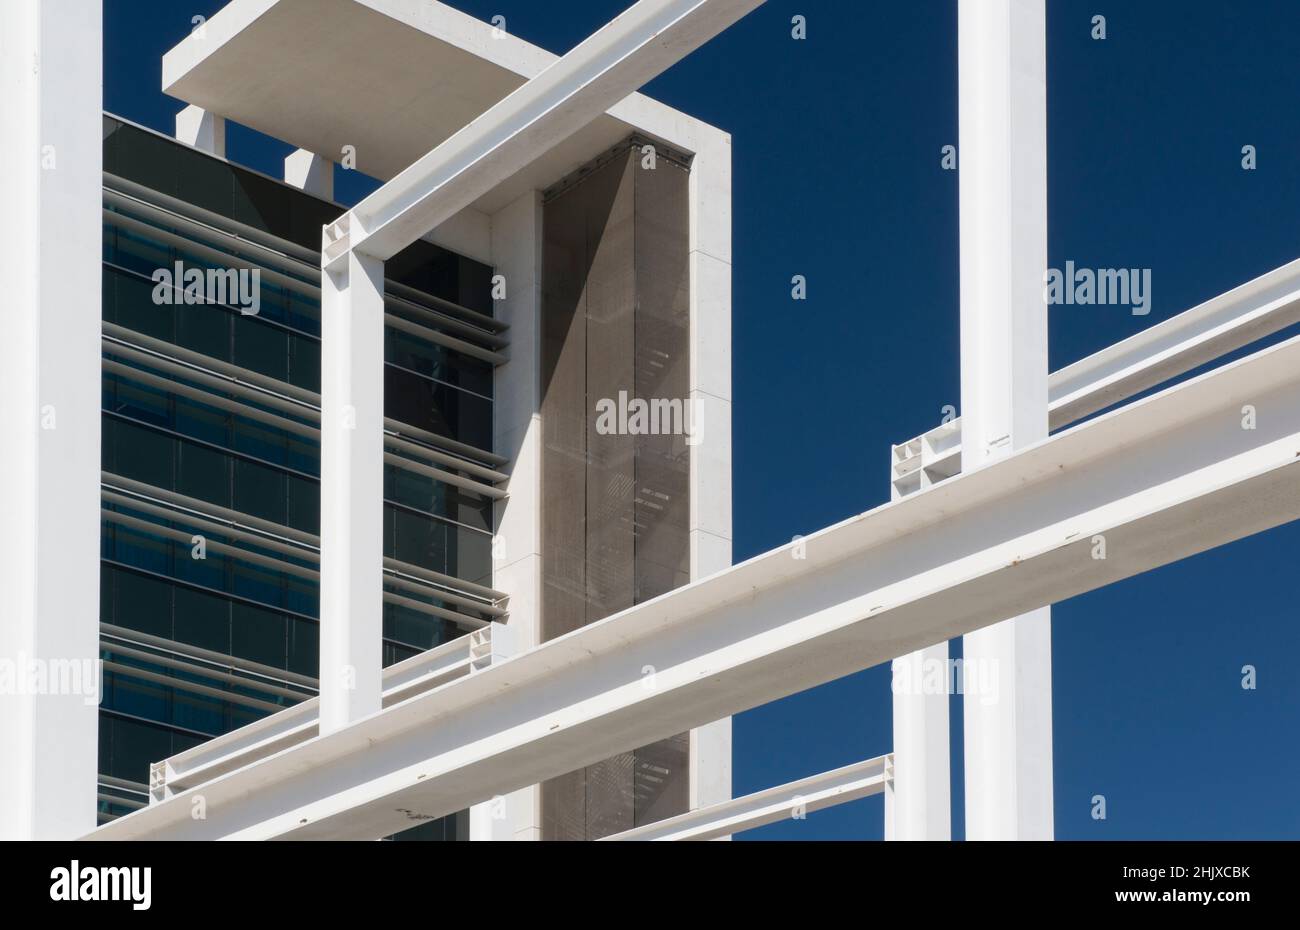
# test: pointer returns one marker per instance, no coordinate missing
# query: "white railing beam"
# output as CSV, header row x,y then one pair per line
x,y
794,800
1256,310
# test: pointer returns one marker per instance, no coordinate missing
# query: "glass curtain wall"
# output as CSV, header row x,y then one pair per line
x,y
211,511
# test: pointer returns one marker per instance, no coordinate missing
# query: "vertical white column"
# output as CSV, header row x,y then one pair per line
x,y
710,397
352,490
310,173
921,807
50,262
918,797
517,433
205,131
1003,164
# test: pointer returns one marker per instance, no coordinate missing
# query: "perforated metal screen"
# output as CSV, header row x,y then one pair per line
x,y
615,511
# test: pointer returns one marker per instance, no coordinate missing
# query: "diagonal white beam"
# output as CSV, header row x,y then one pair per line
x,y
634,48
789,801
1167,477
1259,308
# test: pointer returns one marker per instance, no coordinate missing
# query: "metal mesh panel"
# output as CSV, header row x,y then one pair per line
x,y
615,511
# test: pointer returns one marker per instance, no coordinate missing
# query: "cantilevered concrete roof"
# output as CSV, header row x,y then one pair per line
x,y
393,78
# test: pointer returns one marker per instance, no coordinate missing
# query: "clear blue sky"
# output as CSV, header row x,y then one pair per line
x,y
837,177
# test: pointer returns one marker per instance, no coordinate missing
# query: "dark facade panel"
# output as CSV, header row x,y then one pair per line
x,y
615,511
158,601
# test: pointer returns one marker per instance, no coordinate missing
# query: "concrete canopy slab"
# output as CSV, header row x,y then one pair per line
x,y
392,78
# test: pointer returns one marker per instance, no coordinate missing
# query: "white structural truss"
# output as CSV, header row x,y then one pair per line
x,y
993,516
1159,480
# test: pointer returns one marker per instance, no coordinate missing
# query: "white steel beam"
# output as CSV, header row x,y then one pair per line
x,y
918,796
50,263
1159,480
635,47
918,800
259,740
1002,102
790,801
352,495
1003,200
1255,310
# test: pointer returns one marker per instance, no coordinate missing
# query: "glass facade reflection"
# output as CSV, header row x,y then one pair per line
x,y
211,506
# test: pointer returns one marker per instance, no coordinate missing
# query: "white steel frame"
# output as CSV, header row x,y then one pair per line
x,y
1159,479
576,89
